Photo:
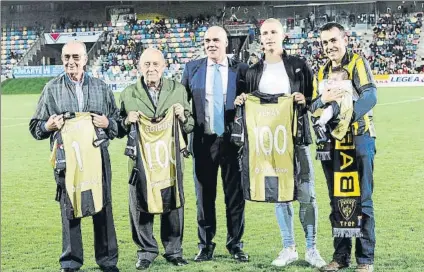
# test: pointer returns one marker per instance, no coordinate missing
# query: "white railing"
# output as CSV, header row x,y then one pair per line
x,y
93,52
32,50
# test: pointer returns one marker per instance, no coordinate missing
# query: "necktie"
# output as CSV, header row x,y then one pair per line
x,y
218,102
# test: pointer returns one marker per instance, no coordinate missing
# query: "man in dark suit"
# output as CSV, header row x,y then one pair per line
x,y
213,84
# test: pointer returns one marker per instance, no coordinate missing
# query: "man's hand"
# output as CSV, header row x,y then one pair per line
x,y
330,95
54,123
100,121
179,112
299,98
132,117
240,99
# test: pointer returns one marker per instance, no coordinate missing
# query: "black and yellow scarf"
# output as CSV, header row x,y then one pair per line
x,y
346,195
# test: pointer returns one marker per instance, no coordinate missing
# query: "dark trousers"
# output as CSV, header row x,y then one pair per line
x,y
214,152
171,231
105,245
365,151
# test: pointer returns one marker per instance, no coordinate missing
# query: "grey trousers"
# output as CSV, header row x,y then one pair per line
x,y
171,231
308,211
105,245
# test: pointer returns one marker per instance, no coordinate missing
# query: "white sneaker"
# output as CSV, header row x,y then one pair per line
x,y
313,257
286,256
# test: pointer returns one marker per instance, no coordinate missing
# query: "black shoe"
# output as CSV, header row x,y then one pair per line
x,y
69,269
142,264
205,254
178,261
110,269
239,255
320,133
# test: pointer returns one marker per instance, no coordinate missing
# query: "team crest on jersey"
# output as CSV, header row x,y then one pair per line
x,y
347,206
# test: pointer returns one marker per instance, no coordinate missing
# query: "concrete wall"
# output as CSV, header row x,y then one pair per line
x,y
26,13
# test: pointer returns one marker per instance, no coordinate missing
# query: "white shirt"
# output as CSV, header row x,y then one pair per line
x,y
223,69
274,79
79,93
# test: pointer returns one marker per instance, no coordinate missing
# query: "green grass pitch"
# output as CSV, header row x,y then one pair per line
x,y
30,218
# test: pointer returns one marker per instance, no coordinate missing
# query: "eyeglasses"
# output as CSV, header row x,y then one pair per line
x,y
148,64
76,57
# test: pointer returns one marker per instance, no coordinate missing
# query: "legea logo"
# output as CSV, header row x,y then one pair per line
x,y
409,78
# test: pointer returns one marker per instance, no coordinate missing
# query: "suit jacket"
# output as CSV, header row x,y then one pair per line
x,y
301,80
194,80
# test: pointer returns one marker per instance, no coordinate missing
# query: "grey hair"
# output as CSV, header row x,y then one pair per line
x,y
149,50
76,42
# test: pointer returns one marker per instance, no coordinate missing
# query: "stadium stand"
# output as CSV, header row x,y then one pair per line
x,y
392,50
307,46
179,42
14,43
75,25
396,39
390,44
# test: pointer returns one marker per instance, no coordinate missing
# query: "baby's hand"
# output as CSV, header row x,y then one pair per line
x,y
333,94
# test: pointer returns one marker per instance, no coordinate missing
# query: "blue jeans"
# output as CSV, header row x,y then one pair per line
x,y
365,152
308,211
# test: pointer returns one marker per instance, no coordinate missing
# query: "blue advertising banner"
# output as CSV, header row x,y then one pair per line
x,y
119,86
37,71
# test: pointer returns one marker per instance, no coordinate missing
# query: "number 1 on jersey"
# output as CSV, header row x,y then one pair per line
x,y
76,147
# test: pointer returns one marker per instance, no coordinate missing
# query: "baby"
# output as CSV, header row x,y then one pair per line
x,y
340,111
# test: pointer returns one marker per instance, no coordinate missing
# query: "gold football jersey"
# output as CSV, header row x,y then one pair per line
x,y
269,129
83,163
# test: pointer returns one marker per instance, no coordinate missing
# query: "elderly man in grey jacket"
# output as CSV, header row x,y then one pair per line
x,y
71,92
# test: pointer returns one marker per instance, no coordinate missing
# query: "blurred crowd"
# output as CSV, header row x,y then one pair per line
x,y
394,46
392,49
177,38
67,23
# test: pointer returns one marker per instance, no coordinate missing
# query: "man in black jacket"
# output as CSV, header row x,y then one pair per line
x,y
279,73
